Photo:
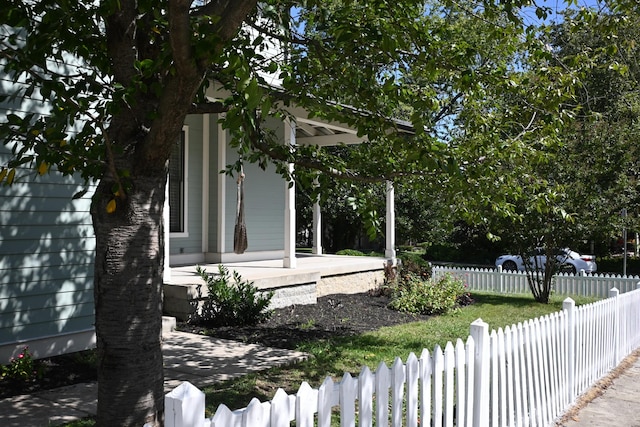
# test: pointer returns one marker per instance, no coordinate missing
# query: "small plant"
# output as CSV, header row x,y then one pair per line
x,y
418,296
309,324
22,368
232,301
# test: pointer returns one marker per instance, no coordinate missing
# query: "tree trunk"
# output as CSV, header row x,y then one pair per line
x,y
128,302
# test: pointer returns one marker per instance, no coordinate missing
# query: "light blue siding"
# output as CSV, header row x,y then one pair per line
x,y
264,193
46,258
46,242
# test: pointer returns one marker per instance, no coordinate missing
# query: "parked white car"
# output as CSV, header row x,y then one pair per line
x,y
570,261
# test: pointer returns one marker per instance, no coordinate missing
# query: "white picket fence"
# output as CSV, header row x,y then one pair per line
x,y
527,374
496,280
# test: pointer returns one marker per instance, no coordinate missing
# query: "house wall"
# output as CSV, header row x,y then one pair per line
x,y
46,249
46,266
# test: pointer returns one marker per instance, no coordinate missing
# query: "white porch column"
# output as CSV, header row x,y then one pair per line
x,y
166,269
289,260
317,224
206,118
221,204
390,251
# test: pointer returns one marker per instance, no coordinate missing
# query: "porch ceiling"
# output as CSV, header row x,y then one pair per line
x,y
312,132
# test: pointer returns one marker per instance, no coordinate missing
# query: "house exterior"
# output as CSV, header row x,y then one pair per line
x,y
47,242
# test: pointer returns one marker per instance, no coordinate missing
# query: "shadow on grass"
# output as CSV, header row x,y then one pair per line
x,y
498,299
237,393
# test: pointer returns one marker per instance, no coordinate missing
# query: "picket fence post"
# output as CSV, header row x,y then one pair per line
x,y
184,406
500,279
480,335
615,293
569,305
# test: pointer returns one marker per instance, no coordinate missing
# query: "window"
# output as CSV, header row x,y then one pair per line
x,y
177,185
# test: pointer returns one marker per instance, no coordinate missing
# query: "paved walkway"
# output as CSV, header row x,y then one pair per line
x,y
614,401
189,357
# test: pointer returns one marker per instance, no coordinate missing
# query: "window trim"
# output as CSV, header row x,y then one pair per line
x,y
185,185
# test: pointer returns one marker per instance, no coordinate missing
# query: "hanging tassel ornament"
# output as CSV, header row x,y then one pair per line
x,y
240,232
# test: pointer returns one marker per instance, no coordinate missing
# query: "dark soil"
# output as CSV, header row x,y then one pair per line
x,y
332,316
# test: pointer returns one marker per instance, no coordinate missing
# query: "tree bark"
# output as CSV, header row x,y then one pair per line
x,y
128,302
130,240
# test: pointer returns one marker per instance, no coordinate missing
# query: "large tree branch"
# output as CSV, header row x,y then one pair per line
x,y
120,31
180,37
232,14
208,108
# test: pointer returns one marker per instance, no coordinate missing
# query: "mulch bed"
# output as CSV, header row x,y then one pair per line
x,y
334,315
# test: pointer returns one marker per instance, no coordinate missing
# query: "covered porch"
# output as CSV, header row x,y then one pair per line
x,y
314,276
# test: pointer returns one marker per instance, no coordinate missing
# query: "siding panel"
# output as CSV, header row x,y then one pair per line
x,y
264,208
46,258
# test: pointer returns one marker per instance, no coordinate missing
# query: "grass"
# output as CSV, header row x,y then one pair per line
x,y
333,357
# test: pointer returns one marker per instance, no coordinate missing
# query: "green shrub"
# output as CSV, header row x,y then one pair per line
x,y
232,301
350,252
614,265
418,296
442,252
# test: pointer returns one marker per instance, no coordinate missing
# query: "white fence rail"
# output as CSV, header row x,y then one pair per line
x,y
496,280
525,375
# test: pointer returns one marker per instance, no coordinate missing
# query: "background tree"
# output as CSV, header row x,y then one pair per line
x,y
600,155
564,188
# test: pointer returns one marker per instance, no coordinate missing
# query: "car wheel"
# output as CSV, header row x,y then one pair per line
x,y
509,266
568,268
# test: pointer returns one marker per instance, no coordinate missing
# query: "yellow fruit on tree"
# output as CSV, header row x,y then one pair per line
x,y
111,206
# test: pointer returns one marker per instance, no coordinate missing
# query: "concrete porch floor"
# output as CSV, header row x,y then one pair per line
x,y
325,265
313,277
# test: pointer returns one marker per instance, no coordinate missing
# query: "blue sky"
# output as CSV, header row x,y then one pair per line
x,y
558,6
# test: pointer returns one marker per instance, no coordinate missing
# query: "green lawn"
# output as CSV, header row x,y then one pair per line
x,y
333,357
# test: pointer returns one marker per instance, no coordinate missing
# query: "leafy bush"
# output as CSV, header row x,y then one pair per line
x,y
232,301
442,252
350,252
21,368
409,264
614,265
413,263
418,296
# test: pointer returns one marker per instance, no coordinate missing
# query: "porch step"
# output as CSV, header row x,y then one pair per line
x,y
168,324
